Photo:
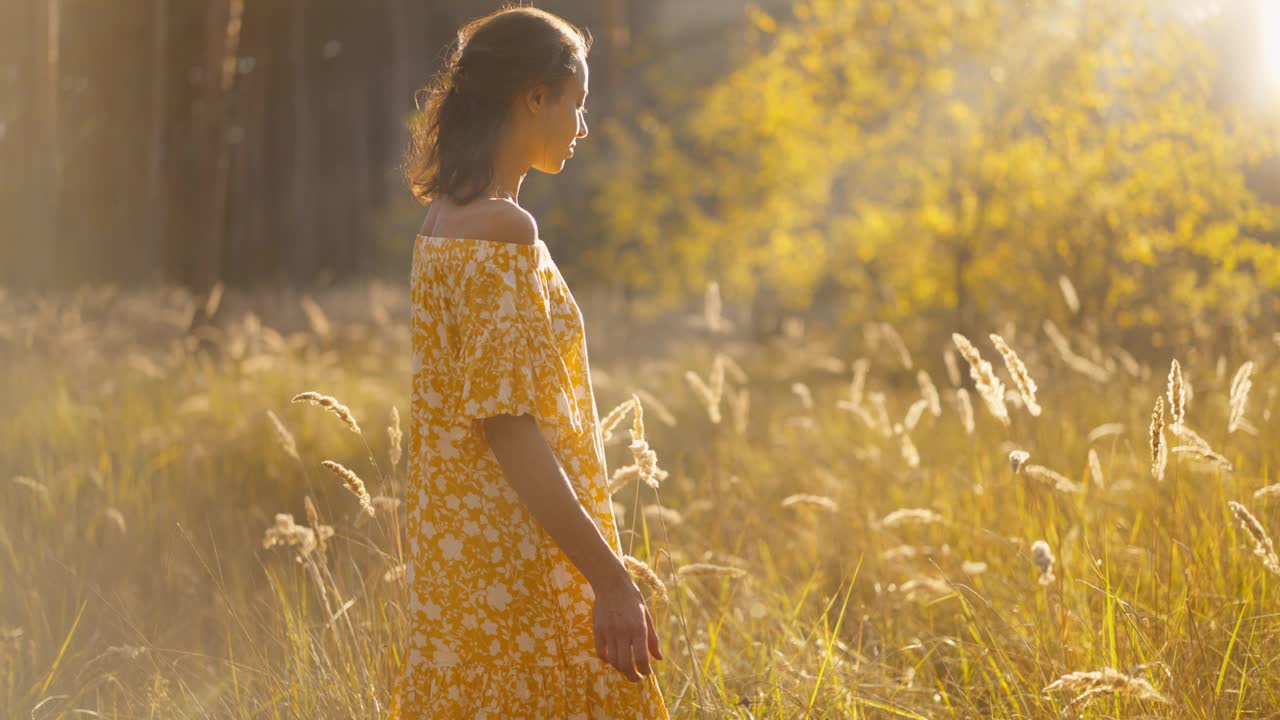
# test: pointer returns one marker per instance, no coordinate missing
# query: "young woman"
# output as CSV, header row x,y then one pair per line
x,y
520,605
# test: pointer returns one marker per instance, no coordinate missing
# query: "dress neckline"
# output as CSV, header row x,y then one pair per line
x,y
537,241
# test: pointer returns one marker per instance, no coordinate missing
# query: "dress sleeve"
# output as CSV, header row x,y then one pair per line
x,y
509,362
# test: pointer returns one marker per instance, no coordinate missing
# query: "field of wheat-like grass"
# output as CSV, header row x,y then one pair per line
x,y
200,513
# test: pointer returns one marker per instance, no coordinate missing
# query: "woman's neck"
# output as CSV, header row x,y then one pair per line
x,y
509,168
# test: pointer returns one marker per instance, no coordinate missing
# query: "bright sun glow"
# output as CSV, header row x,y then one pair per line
x,y
1270,29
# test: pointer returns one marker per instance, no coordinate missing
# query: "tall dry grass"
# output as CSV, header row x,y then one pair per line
x,y
821,530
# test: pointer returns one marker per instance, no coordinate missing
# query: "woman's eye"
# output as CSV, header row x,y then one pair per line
x,y
582,110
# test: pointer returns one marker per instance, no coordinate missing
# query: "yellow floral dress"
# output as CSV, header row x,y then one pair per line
x,y
500,619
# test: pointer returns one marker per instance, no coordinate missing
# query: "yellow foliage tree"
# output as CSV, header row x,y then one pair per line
x,y
951,161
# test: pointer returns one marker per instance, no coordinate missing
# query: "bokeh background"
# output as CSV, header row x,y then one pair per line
x,y
795,202
943,159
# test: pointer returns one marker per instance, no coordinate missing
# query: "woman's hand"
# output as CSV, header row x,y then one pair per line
x,y
624,628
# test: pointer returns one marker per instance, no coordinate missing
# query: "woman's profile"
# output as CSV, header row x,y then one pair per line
x,y
520,605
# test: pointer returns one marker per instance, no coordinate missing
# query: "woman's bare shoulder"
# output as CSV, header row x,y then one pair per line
x,y
493,219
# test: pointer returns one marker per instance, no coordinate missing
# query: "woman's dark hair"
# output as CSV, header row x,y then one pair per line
x,y
454,136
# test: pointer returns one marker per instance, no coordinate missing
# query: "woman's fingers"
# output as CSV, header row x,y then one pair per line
x,y
641,653
626,660
653,635
601,651
620,655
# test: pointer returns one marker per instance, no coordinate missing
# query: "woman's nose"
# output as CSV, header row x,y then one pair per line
x,y
582,127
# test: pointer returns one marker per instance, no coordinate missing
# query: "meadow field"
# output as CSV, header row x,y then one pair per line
x,y
842,525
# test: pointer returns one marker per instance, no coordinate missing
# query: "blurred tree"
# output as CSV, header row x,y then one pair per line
x,y
949,161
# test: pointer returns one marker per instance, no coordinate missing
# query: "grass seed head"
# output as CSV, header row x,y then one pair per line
x,y
352,483
1043,557
1018,371
342,412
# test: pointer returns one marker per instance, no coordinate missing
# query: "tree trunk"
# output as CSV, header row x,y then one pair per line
x,y
156,206
301,237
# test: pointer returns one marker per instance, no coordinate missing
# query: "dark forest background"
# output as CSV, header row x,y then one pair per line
x,y
251,142
256,142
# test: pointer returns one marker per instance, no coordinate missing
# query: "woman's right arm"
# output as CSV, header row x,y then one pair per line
x,y
623,624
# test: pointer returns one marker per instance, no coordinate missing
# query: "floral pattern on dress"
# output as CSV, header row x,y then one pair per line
x,y
500,620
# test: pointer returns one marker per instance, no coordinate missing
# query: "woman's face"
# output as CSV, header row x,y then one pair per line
x,y
563,121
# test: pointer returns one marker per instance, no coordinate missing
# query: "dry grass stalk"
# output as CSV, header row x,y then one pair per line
x,y
394,574
712,307
1095,469
717,378
895,340
861,413
286,438
1018,371
622,476
1186,433
879,403
646,459
1105,430
1080,364
352,483
909,452
286,532
1052,479
1128,361
1058,340
313,519
924,588
1240,386
647,577
1262,545
1158,447
984,378
330,403
394,436
1096,683
1268,492
914,413
212,302
1043,557
1204,455
740,405
315,317
911,516
953,369
710,400
929,392
1017,459
731,367
713,318
35,486
966,410
1177,396
859,381
614,417
668,516
819,501
899,553
656,407
1088,368
802,391
709,570
117,519
1069,294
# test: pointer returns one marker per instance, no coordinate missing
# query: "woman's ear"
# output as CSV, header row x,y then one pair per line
x,y
536,97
